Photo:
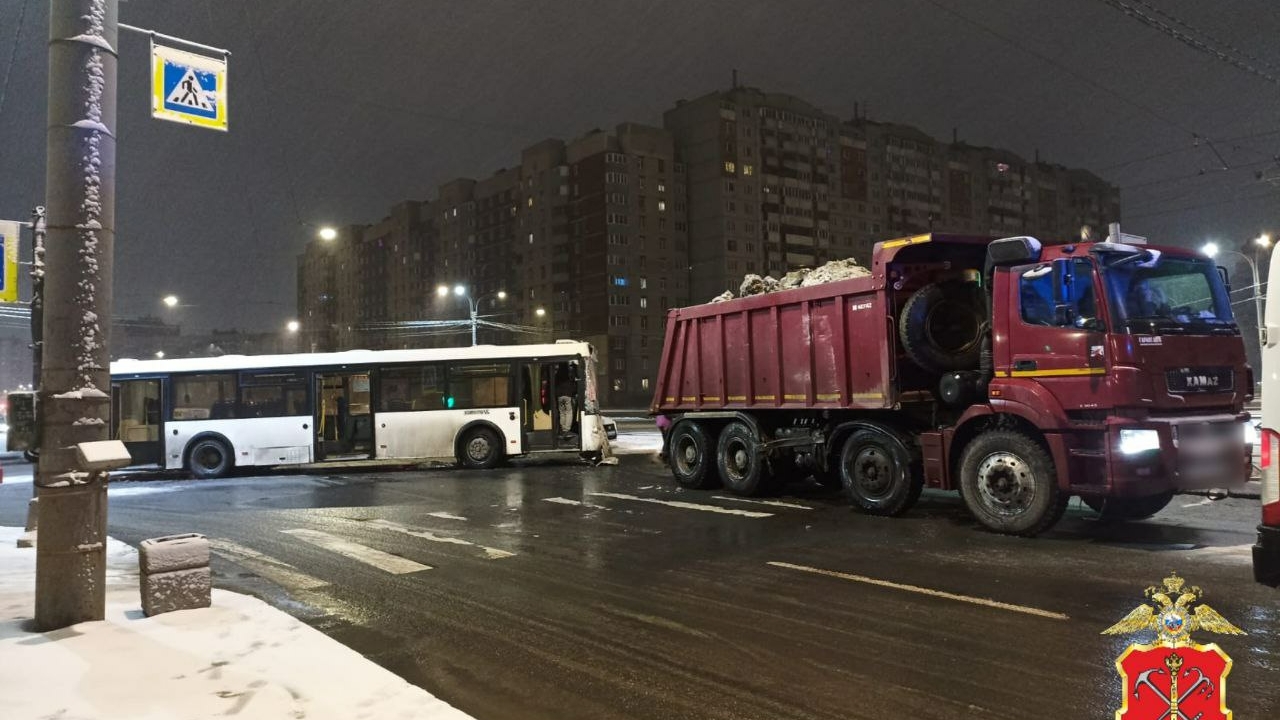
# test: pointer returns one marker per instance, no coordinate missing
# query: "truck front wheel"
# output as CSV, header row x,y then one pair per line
x,y
876,471
1008,482
689,455
742,467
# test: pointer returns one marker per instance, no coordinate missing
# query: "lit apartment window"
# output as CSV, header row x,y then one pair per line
x,y
730,167
530,201
644,302
643,283
662,187
644,383
662,206
746,170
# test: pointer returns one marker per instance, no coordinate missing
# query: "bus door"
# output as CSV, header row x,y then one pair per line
x,y
551,398
343,421
135,419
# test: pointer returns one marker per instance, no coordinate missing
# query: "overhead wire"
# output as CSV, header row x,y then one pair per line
x,y
1189,40
13,53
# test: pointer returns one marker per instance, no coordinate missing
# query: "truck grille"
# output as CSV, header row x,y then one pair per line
x,y
1200,380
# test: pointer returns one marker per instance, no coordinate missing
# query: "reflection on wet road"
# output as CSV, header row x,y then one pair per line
x,y
547,590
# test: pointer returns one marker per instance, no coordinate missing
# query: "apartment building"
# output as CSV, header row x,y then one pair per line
x,y
595,238
585,240
766,189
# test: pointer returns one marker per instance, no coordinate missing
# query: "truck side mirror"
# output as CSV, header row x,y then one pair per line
x,y
1222,272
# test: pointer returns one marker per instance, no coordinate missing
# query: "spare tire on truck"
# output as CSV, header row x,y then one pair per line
x,y
941,326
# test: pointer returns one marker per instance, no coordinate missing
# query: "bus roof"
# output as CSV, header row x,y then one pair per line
x,y
129,366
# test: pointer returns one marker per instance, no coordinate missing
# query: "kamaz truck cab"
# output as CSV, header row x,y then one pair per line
x,y
1128,359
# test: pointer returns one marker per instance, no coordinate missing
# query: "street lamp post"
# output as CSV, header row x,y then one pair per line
x,y
473,303
1260,243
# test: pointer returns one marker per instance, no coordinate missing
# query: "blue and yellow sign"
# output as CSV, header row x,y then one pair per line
x,y
9,254
188,88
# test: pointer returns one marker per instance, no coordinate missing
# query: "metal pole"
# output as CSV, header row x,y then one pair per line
x,y
37,348
75,379
1257,299
475,307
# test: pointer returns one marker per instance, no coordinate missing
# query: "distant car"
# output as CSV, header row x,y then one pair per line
x,y
610,427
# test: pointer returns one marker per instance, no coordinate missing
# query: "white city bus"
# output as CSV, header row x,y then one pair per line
x,y
478,405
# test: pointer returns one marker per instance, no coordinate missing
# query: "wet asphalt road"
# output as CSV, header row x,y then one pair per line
x,y
557,590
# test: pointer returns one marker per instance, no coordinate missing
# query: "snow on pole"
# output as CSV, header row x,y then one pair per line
x,y
80,206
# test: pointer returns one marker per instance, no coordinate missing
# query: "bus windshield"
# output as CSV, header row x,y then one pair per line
x,y
1153,293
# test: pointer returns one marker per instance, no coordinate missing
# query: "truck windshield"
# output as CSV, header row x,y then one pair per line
x,y
1151,293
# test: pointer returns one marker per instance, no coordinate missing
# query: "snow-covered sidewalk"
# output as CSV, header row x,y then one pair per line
x,y
239,657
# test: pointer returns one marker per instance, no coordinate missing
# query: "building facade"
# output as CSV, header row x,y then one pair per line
x,y
597,237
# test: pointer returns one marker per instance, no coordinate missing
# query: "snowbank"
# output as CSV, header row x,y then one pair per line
x,y
239,657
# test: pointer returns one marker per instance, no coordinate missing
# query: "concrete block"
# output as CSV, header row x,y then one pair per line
x,y
173,552
177,590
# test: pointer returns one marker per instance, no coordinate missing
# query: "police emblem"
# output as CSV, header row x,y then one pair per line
x,y
1175,678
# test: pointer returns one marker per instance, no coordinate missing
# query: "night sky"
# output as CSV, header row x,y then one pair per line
x,y
339,109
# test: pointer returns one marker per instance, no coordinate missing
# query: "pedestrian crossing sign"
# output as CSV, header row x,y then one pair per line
x,y
188,88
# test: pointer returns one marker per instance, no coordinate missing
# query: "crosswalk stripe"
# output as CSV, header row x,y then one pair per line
x,y
281,573
685,505
774,503
383,561
490,553
567,501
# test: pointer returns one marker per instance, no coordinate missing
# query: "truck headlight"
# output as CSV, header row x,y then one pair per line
x,y
1135,441
1251,436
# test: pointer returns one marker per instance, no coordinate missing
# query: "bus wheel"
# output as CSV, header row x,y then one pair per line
x,y
689,455
742,467
479,449
210,458
1008,482
877,473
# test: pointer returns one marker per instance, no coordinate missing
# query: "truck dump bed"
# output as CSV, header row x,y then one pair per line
x,y
825,346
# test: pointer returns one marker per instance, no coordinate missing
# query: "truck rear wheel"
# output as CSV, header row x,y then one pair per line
x,y
742,466
1008,482
877,474
941,326
689,455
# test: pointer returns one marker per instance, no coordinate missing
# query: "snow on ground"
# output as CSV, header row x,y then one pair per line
x,y
640,442
239,657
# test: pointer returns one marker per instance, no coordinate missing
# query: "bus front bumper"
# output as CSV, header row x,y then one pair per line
x,y
1266,556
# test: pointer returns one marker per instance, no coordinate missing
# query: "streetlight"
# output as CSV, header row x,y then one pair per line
x,y
159,354
1259,243
472,302
292,326
171,300
327,233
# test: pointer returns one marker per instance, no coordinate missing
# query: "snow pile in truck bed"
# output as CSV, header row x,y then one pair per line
x,y
833,271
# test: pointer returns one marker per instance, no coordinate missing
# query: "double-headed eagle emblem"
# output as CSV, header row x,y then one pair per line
x,y
1169,613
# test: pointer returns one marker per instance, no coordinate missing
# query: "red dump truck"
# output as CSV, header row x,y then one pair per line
x,y
1017,373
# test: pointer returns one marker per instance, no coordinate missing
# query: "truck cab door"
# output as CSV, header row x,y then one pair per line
x,y
1055,331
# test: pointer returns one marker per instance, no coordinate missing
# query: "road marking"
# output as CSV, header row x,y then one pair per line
x,y
567,501
925,591
1206,501
685,505
279,572
445,516
383,561
490,553
775,503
